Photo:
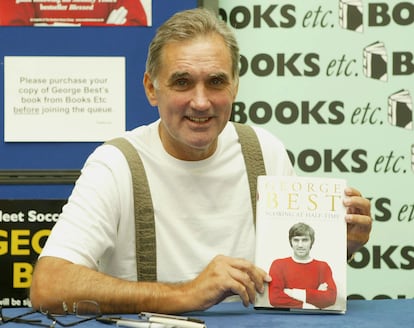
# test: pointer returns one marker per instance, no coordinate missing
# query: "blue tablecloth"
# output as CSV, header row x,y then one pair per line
x,y
360,314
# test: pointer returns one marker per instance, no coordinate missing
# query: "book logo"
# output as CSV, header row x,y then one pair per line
x,y
400,109
351,15
375,61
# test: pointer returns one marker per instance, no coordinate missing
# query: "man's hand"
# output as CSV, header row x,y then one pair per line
x,y
225,276
358,218
323,287
117,16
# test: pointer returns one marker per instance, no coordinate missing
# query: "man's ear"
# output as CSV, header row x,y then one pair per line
x,y
150,90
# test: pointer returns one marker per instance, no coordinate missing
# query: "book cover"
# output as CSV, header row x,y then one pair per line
x,y
400,109
301,243
375,61
351,15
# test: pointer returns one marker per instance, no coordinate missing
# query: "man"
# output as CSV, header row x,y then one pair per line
x,y
199,188
301,281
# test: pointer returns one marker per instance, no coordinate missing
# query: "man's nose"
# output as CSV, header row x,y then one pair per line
x,y
200,98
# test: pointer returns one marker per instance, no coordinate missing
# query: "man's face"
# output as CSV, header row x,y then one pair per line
x,y
301,246
194,92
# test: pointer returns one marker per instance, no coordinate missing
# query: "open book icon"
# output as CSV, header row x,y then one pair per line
x,y
351,15
400,109
375,61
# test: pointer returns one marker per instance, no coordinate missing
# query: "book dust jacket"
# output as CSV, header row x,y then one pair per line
x,y
301,243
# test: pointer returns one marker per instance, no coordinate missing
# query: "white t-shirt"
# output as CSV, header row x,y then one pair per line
x,y
201,208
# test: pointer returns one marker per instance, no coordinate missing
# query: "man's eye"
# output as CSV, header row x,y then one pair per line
x,y
181,83
217,81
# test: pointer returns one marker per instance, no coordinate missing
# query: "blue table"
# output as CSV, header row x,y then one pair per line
x,y
360,314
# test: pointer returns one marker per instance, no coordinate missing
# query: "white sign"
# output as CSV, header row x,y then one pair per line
x,y
63,98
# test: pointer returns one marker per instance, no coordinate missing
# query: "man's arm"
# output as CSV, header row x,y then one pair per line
x,y
358,218
279,295
325,294
117,16
57,280
136,14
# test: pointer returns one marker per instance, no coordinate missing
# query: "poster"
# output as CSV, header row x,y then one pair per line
x,y
334,80
75,12
24,228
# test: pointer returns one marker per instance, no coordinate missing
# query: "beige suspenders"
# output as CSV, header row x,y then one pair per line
x,y
253,159
144,212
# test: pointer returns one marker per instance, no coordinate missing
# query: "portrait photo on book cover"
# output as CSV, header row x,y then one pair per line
x,y
307,271
299,280
50,13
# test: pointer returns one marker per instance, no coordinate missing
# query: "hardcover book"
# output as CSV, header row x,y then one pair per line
x,y
301,243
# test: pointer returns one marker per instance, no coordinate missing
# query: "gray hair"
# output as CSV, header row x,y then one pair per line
x,y
187,25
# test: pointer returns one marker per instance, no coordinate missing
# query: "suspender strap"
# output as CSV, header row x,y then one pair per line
x,y
253,159
145,238
144,213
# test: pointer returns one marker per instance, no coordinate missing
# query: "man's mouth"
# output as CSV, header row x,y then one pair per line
x,y
198,119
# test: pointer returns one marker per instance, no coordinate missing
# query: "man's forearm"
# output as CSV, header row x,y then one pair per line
x,y
57,280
